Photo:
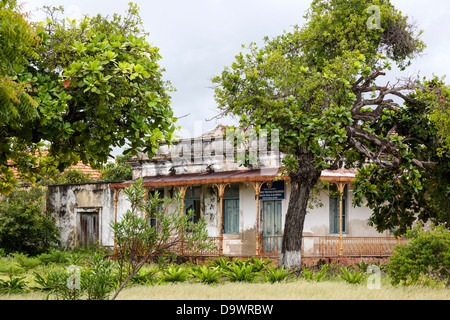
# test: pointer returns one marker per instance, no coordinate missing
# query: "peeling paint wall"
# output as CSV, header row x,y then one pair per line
x,y
193,156
67,202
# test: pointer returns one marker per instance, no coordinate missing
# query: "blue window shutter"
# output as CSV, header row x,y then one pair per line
x,y
231,216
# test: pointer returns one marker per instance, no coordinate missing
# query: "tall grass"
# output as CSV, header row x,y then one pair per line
x,y
300,289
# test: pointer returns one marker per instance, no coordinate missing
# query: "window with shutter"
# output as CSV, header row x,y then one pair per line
x,y
334,210
231,210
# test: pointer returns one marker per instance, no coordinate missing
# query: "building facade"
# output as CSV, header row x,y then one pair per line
x,y
244,206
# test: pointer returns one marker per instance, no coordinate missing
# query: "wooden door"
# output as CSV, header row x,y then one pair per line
x,y
89,230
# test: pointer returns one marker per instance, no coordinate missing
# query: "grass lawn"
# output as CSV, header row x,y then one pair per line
x,y
298,289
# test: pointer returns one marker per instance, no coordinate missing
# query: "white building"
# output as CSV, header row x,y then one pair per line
x,y
215,186
207,172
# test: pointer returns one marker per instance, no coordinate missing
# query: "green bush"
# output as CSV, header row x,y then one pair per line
x,y
24,225
56,283
54,256
10,267
74,176
275,274
241,271
315,276
145,276
95,281
353,277
175,274
427,255
205,274
13,286
118,170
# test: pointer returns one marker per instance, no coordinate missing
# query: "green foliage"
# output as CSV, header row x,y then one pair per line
x,y
259,263
206,274
427,254
241,272
10,267
13,285
315,276
303,81
175,274
352,277
24,261
277,274
145,231
24,225
425,189
75,176
93,281
19,44
97,279
220,262
96,84
54,256
145,276
53,283
117,171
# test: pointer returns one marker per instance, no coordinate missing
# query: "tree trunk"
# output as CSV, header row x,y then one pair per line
x,y
302,182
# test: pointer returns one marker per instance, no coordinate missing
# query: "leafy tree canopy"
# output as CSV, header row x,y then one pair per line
x,y
96,84
321,86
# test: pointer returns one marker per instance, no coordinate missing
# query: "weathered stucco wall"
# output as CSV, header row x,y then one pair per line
x,y
209,153
67,202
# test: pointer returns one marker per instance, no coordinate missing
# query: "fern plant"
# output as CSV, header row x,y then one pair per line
x,y
240,271
259,264
275,274
222,263
314,276
355,277
207,275
13,285
175,274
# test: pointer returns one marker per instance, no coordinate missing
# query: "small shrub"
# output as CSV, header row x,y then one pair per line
x,y
13,286
427,255
222,263
54,256
145,276
175,274
208,275
26,262
97,280
259,264
10,267
55,283
312,276
240,271
354,277
362,266
275,274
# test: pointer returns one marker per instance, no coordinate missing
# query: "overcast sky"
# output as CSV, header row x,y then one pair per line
x,y
198,38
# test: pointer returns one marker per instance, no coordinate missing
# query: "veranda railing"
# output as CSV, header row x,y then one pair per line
x,y
334,246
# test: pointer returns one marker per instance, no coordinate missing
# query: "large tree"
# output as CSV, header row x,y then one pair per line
x,y
18,42
322,86
96,84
